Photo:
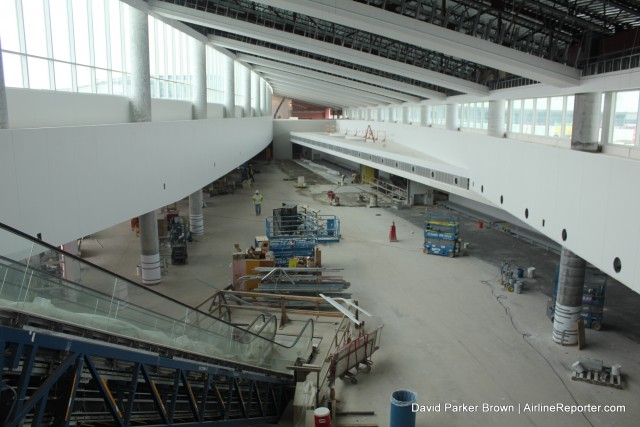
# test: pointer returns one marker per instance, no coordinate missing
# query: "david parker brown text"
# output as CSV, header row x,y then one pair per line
x,y
520,408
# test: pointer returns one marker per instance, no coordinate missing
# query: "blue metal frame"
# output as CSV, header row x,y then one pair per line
x,y
324,228
133,385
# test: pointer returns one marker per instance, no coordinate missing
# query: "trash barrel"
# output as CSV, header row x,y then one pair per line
x,y
520,273
402,414
322,417
480,224
518,286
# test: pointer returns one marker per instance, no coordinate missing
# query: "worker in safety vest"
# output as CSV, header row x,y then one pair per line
x,y
257,201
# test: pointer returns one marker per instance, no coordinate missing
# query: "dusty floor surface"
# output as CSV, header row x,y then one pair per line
x,y
451,334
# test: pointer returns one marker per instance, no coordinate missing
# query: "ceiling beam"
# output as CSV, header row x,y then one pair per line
x,y
254,60
326,67
307,95
353,97
329,87
294,41
433,37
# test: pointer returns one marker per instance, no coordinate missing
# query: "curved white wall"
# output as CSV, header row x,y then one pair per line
x,y
591,196
68,182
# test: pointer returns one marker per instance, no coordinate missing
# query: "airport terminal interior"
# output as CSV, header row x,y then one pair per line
x,y
358,213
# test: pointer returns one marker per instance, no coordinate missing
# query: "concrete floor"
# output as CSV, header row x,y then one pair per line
x,y
452,334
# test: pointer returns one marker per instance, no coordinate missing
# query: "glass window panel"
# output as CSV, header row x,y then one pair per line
x,y
541,116
555,116
63,76
118,83
12,69
99,34
169,51
102,81
81,31
516,116
34,28
114,35
38,73
84,78
625,121
9,28
160,49
568,128
60,30
527,116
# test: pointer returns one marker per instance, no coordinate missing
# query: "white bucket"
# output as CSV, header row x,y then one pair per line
x,y
531,272
301,181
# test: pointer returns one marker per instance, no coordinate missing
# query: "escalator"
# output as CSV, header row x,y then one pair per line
x,y
83,346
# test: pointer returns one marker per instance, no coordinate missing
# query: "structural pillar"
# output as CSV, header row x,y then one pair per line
x,y
246,86
229,88
453,116
586,122
405,115
423,115
263,96
256,98
199,100
569,298
141,112
607,118
4,110
496,118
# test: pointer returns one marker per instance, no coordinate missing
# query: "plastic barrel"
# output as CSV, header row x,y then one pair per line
x,y
518,286
322,417
402,414
520,273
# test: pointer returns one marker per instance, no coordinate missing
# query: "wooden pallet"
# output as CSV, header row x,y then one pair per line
x,y
603,377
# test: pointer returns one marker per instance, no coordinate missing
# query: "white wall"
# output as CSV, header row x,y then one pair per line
x,y
165,110
282,128
215,111
69,182
30,108
591,196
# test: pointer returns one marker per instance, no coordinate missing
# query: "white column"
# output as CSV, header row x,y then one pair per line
x,y
607,118
246,86
453,116
495,126
256,99
199,99
405,115
229,88
423,115
586,122
141,112
263,97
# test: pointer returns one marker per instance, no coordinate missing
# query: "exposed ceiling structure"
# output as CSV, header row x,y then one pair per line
x,y
351,53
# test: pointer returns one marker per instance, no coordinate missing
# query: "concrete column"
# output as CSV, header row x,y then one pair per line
x,y
256,99
141,112
199,82
4,110
199,99
423,115
586,122
263,97
496,118
405,115
140,76
607,118
269,100
229,89
569,298
453,116
196,218
246,86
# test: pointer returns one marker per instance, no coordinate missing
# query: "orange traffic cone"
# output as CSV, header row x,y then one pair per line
x,y
392,233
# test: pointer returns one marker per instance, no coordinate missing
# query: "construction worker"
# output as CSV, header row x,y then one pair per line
x,y
257,201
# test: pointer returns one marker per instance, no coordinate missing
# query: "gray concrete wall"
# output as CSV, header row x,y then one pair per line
x,y
282,148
